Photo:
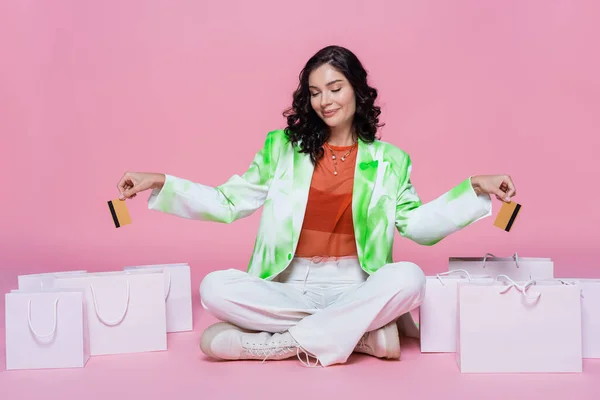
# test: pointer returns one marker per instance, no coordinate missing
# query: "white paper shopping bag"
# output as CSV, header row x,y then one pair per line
x,y
178,294
44,280
126,312
519,327
46,329
515,267
590,315
437,312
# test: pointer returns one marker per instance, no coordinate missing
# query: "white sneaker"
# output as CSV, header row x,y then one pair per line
x,y
226,341
382,343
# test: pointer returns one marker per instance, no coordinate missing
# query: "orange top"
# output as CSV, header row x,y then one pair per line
x,y
328,229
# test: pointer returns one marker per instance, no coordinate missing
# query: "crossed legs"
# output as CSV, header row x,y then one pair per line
x,y
325,320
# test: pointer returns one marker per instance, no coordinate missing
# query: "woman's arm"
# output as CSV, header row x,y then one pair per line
x,y
239,197
429,223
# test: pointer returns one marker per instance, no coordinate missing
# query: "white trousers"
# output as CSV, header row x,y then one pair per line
x,y
325,304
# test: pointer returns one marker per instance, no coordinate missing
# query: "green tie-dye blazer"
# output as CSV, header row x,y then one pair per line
x,y
278,179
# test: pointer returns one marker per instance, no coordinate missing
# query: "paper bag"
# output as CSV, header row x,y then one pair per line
x,y
519,327
126,312
437,312
590,315
515,267
42,281
178,294
46,329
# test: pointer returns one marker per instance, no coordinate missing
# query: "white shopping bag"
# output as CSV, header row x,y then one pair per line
x,y
178,294
42,281
515,267
46,329
590,315
514,327
437,312
126,312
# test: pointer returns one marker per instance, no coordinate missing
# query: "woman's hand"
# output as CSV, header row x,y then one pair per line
x,y
134,182
499,185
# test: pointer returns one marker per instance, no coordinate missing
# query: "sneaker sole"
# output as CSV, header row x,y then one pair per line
x,y
210,333
392,341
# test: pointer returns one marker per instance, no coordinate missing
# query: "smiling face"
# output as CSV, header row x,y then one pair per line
x,y
332,97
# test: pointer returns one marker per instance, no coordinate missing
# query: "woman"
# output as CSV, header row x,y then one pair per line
x,y
321,280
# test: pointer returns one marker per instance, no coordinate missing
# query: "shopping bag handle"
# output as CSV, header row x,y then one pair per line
x,y
439,276
54,324
118,320
572,284
514,257
522,289
490,255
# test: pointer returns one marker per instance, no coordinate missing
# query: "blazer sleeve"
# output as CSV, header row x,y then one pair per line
x,y
238,197
429,223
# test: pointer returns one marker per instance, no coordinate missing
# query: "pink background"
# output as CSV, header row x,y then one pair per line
x,y
92,89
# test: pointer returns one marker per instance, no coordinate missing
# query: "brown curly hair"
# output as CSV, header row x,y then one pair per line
x,y
306,128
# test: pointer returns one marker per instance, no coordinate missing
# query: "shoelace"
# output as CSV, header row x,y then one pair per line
x,y
362,342
269,351
266,351
307,364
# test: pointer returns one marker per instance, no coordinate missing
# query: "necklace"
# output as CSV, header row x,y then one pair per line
x,y
334,157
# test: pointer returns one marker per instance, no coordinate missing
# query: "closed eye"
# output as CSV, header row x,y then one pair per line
x,y
334,90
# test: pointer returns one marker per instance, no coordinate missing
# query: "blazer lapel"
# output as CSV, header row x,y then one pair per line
x,y
303,172
364,180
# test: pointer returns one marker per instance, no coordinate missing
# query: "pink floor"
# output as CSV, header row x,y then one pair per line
x,y
184,373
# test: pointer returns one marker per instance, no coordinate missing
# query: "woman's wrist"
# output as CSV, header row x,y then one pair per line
x,y
158,181
476,185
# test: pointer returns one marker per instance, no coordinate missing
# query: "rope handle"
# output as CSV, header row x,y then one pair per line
x,y
55,323
523,289
515,257
572,284
451,272
490,255
118,320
